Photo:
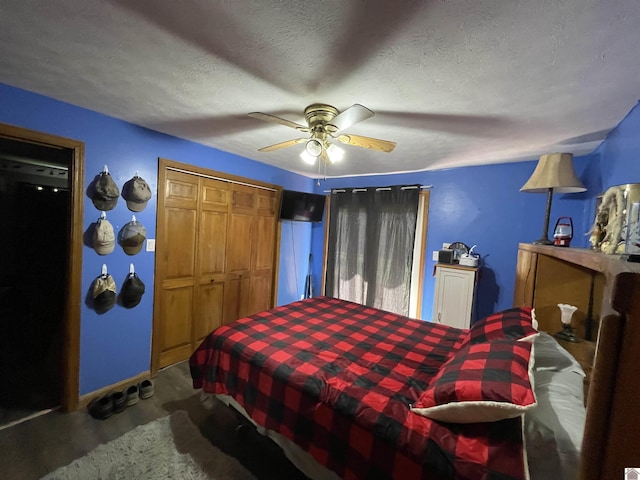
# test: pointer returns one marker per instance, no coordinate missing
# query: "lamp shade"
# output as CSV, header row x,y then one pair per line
x,y
314,147
310,159
554,170
335,153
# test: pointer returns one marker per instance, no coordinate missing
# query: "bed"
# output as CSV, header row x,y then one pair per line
x,y
355,392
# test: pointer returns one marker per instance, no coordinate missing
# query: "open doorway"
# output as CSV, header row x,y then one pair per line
x,y
39,326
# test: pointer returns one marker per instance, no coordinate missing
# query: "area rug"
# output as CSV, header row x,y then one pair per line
x,y
171,447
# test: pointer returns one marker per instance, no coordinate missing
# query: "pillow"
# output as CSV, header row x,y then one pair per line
x,y
482,382
554,429
514,323
550,356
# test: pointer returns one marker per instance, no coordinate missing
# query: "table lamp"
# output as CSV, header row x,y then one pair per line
x,y
566,312
554,173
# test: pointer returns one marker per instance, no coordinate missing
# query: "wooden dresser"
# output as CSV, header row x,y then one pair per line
x,y
548,275
606,290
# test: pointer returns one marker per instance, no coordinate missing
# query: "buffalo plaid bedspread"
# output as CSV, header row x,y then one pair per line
x,y
337,378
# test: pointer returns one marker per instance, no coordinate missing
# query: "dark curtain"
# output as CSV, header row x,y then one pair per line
x,y
370,250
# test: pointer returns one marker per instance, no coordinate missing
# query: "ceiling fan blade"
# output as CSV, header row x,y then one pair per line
x,y
278,146
282,121
367,142
354,114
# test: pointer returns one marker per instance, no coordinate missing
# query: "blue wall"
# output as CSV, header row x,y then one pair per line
x,y
475,205
117,344
619,155
295,245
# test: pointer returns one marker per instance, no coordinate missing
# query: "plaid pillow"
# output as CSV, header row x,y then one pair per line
x,y
514,323
482,382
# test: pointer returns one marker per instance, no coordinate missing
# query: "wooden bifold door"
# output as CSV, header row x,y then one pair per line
x,y
216,254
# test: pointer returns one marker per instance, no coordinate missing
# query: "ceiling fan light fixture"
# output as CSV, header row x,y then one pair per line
x,y
323,123
313,147
307,158
335,154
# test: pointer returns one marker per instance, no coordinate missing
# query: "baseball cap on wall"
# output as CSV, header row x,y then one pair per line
x,y
104,293
131,291
131,237
104,239
104,193
137,193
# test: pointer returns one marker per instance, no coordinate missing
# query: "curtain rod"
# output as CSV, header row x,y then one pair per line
x,y
378,189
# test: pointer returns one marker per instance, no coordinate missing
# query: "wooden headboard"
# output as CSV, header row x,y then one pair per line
x,y
606,290
612,430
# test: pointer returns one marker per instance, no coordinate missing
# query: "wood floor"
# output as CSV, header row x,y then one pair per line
x,y
38,446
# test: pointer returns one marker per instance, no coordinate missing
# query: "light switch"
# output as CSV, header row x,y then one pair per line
x,y
151,244
434,257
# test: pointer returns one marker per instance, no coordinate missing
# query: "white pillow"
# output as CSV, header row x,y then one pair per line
x,y
555,427
550,356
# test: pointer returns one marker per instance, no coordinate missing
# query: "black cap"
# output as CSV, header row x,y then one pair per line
x,y
104,293
131,291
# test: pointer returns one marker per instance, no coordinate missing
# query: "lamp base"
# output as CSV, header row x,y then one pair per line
x,y
544,238
542,241
567,334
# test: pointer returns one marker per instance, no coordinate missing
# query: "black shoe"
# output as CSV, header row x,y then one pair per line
x,y
119,400
101,408
133,395
146,389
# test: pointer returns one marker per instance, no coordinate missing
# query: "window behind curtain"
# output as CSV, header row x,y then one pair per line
x,y
370,246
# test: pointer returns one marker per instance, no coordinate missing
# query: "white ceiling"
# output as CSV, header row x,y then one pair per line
x,y
454,83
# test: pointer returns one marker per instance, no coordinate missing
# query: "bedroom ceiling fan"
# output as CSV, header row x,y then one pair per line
x,y
325,123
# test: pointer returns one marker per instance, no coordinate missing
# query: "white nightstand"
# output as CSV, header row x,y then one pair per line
x,y
454,297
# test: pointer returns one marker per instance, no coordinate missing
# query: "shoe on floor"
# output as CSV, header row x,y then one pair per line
x,y
101,407
146,388
133,395
119,400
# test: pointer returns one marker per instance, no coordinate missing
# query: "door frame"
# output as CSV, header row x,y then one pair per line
x,y
70,361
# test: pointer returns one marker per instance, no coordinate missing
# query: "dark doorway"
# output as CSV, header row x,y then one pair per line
x,y
35,210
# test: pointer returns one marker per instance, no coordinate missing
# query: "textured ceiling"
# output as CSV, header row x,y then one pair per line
x,y
454,83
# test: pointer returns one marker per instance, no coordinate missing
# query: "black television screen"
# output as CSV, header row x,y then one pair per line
x,y
301,206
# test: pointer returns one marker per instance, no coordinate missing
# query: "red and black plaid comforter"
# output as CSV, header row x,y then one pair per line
x,y
337,378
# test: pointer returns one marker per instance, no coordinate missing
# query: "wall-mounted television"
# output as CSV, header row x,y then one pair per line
x,y
301,206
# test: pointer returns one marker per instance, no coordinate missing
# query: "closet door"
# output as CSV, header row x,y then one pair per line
x,y
175,267
264,249
210,261
239,245
216,250
251,252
